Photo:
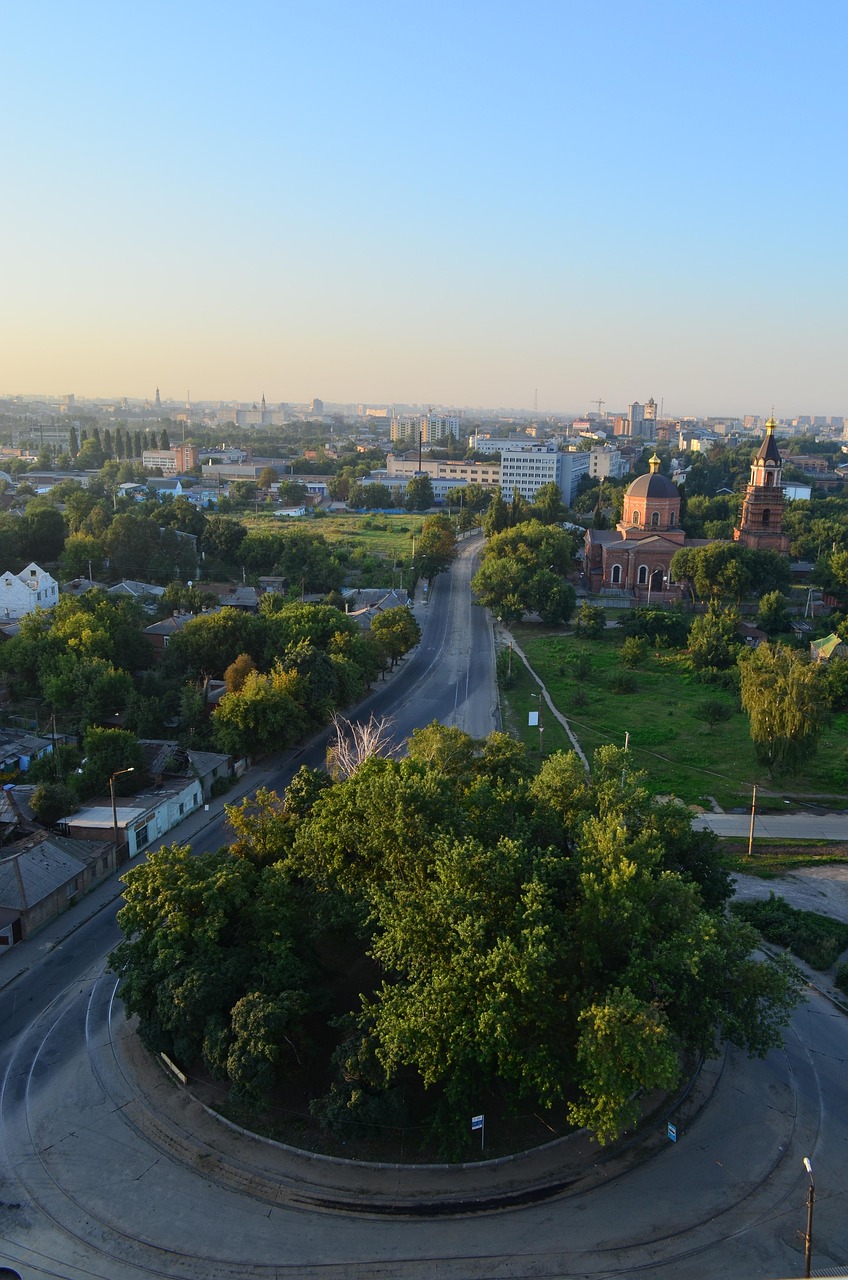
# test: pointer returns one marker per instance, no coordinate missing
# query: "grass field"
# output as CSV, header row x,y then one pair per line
x,y
680,754
369,545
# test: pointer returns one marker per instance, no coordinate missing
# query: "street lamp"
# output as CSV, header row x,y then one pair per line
x,y
115,775
808,1237
539,713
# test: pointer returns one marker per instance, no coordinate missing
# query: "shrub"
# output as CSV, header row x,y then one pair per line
x,y
816,939
590,621
622,682
633,651
582,664
841,978
713,711
52,801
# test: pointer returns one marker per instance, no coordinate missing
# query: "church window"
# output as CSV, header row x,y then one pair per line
x,y
769,479
655,519
671,519
643,574
636,516
766,517
616,575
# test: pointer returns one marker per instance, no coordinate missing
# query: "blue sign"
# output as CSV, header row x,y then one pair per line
x,y
476,1123
672,1132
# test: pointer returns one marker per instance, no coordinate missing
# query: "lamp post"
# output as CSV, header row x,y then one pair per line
x,y
115,775
808,1236
541,726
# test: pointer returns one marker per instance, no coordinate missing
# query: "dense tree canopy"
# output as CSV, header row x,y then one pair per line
x,y
557,941
522,572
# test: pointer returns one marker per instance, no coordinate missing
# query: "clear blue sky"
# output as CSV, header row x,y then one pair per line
x,y
450,202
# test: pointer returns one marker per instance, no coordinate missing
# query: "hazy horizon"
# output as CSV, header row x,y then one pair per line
x,y
459,205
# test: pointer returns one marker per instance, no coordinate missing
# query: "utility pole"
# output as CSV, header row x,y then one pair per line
x,y
626,745
753,817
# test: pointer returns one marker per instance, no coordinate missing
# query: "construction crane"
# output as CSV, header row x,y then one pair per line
x,y
598,403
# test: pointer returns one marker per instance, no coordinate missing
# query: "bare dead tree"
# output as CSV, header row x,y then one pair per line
x,y
354,743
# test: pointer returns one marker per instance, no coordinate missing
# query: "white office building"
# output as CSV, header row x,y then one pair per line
x,y
526,470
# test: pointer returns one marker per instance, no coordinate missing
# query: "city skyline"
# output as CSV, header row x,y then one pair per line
x,y
459,206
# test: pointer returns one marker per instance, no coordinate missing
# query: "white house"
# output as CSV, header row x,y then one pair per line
x,y
141,819
24,592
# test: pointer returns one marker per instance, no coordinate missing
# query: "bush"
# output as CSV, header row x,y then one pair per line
x,y
590,621
52,801
713,711
633,651
622,682
841,978
582,664
816,939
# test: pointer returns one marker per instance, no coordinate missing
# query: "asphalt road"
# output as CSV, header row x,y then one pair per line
x,y
92,1186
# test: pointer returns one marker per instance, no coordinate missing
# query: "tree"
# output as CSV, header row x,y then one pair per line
x,y
590,621
548,506
107,752
42,532
291,493
265,715
418,495
52,801
784,697
547,940
496,518
522,573
475,498
238,671
355,742
209,963
268,477
773,615
83,556
436,549
713,643
397,630
370,497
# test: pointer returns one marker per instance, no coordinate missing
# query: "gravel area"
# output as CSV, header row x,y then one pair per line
x,y
822,889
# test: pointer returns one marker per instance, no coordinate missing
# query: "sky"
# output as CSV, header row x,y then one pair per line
x,y
461,203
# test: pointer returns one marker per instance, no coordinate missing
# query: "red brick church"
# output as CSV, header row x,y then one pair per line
x,y
636,555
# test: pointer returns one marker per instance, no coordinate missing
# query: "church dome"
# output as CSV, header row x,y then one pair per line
x,y
653,485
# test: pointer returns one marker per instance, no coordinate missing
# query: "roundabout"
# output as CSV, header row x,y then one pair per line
x,y
113,1169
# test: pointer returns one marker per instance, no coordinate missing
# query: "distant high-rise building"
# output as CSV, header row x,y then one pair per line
x,y
428,427
157,402
316,408
641,419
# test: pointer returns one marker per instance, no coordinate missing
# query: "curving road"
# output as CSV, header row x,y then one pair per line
x,y
94,1182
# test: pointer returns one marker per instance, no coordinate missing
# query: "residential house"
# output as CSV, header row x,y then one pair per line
x,y
22,593
44,876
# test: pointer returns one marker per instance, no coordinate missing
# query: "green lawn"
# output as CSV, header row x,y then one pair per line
x,y
679,753
369,545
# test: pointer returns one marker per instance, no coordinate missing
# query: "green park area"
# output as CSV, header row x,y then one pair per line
x,y
370,547
666,711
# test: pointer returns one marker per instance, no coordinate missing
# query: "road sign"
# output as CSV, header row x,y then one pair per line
x,y
533,719
476,1122
672,1132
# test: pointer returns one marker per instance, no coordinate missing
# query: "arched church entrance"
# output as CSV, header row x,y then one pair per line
x,y
657,580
